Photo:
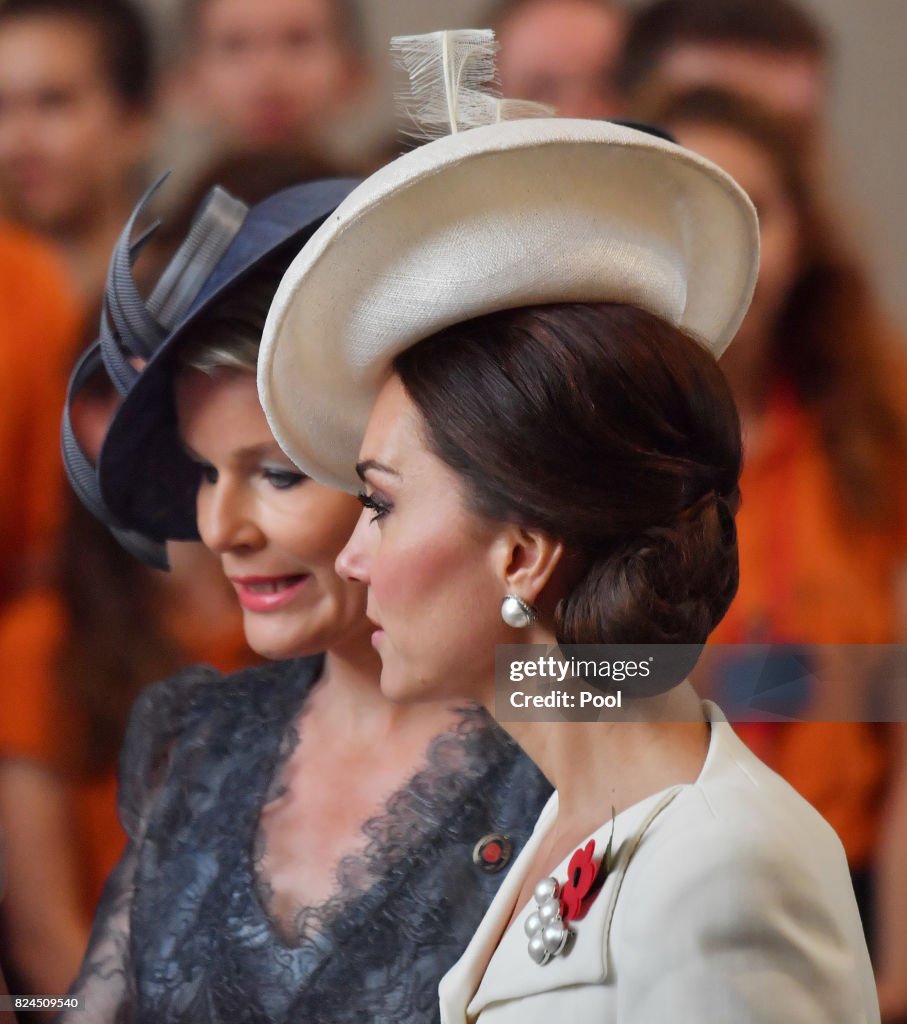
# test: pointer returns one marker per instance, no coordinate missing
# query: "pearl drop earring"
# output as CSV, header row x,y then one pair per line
x,y
517,613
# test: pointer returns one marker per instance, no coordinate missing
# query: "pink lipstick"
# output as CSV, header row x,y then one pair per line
x,y
267,593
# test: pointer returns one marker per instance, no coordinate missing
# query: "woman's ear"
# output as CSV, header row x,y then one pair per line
x,y
526,561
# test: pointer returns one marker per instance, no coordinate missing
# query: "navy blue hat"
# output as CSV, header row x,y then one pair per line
x,y
144,485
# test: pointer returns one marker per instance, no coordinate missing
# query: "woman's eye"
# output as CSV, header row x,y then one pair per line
x,y
283,479
209,473
375,504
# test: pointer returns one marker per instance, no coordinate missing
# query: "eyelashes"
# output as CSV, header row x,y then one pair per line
x,y
279,478
374,504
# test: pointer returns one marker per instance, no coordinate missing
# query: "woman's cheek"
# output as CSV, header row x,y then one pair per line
x,y
398,576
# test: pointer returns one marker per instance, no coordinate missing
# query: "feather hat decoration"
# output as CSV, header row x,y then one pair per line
x,y
519,210
453,83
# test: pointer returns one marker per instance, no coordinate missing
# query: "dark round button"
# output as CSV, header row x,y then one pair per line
x,y
492,852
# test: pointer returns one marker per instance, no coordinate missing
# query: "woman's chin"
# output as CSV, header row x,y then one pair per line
x,y
278,644
272,651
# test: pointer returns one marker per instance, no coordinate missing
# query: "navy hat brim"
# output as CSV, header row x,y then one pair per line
x,y
146,479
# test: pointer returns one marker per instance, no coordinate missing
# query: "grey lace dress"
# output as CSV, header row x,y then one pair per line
x,y
182,934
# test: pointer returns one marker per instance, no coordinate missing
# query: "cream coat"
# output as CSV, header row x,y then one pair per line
x,y
728,902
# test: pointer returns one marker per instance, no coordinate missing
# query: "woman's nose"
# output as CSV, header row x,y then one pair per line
x,y
353,562
226,520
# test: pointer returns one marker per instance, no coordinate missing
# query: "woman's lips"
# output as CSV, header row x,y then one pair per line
x,y
267,593
378,634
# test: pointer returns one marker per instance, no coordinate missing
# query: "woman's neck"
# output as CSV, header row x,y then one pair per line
x,y
349,698
595,766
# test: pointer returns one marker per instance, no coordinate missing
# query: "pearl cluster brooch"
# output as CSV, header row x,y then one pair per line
x,y
548,934
558,904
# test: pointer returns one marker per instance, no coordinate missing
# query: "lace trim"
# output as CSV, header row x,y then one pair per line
x,y
180,936
414,816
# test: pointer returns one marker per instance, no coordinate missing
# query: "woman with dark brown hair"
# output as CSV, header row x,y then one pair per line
x,y
509,338
818,379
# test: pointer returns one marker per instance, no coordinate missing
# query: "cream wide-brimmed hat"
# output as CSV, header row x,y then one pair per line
x,y
500,216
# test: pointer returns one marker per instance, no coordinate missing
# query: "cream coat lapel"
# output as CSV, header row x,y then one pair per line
x,y
495,969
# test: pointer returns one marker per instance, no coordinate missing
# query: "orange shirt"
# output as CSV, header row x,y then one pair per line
x,y
31,633
807,571
39,336
809,574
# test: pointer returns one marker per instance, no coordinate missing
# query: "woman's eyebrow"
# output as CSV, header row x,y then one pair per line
x,y
265,450
363,467
190,452
252,453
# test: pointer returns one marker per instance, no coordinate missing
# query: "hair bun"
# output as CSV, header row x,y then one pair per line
x,y
659,586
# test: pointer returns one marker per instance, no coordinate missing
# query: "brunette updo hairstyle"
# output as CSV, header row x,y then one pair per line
x,y
610,430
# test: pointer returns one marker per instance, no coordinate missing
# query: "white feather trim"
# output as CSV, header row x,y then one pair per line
x,y
452,83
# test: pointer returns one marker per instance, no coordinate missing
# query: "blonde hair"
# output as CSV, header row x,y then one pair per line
x,y
228,336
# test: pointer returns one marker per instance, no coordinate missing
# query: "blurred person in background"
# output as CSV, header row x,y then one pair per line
x,y
40,326
771,51
75,652
273,74
818,378
561,52
75,122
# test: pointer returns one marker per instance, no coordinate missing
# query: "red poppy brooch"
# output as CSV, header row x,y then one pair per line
x,y
559,904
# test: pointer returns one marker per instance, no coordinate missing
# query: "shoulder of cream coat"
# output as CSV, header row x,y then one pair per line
x,y
728,899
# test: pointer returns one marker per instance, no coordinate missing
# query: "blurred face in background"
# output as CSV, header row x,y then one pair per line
x,y
563,53
272,73
754,167
791,85
67,140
